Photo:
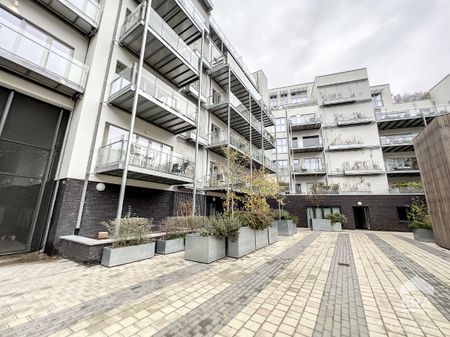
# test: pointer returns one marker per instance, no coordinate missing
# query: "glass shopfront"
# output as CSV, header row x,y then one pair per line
x,y
31,138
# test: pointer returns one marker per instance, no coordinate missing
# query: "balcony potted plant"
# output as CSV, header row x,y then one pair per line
x,y
175,229
208,244
337,221
286,223
132,241
420,221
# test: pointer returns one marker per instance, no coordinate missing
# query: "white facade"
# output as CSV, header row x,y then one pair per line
x,y
348,135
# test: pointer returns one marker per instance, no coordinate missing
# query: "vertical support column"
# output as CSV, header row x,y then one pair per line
x,y
229,115
262,140
6,111
250,126
133,117
199,104
290,153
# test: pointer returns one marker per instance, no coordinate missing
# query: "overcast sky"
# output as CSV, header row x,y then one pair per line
x,y
402,42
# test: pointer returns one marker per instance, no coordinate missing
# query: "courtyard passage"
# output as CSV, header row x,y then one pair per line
x,y
354,283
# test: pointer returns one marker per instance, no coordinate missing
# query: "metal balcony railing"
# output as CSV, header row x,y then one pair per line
x,y
25,49
220,138
154,87
161,28
401,164
89,9
146,158
406,190
193,12
307,166
306,144
305,119
413,113
397,139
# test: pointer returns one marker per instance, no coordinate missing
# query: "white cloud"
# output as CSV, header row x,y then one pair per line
x,y
402,42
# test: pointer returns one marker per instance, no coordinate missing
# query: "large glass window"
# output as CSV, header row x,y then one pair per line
x,y
273,101
280,124
377,100
299,97
311,141
281,145
283,99
320,212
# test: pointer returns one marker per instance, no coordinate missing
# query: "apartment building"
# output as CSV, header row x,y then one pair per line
x,y
77,75
346,140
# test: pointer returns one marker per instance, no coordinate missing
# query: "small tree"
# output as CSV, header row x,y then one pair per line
x,y
418,214
315,196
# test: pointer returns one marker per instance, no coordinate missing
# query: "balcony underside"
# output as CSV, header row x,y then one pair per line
x,y
81,22
308,126
398,148
191,137
401,123
363,172
41,76
143,174
219,149
308,149
340,101
310,173
240,125
220,75
176,17
354,122
160,55
350,147
153,111
403,173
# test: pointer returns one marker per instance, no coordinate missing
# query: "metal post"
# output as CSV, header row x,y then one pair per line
x,y
133,117
262,140
200,73
251,130
290,153
229,135
6,111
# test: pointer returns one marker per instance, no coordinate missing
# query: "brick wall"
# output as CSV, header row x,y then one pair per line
x,y
382,209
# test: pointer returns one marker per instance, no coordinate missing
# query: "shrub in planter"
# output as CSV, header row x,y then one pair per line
x,y
258,216
132,241
286,222
420,221
337,221
208,245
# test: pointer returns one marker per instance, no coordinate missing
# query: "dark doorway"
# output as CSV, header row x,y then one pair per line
x,y
362,217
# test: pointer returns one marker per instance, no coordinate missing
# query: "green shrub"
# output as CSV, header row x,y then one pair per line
x,y
221,226
284,215
254,220
133,230
418,214
337,217
178,226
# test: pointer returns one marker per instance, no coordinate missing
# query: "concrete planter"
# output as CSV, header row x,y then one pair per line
x,y
321,225
273,233
286,228
336,227
261,238
204,249
423,234
165,247
117,256
244,245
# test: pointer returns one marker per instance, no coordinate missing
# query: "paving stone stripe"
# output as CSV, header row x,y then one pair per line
x,y
443,255
341,311
50,324
440,295
211,316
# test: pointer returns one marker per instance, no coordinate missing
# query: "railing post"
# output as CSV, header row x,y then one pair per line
x,y
133,118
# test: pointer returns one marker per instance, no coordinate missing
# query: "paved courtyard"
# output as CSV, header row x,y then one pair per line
x,y
329,284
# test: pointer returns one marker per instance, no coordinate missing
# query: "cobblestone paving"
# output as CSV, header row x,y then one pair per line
x,y
341,311
349,284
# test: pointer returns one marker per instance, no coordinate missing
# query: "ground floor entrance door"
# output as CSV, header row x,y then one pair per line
x,y
31,137
362,217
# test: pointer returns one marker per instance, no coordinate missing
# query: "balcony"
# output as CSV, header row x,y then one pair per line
x,y
305,122
354,119
192,90
218,143
409,118
347,144
406,190
84,15
309,168
182,16
240,120
241,87
307,146
398,143
145,164
24,54
158,103
401,167
191,137
165,51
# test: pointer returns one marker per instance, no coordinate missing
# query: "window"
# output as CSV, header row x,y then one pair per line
x,y
311,141
320,213
282,163
273,101
377,101
280,124
298,188
312,164
281,145
299,97
216,97
283,99
402,213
